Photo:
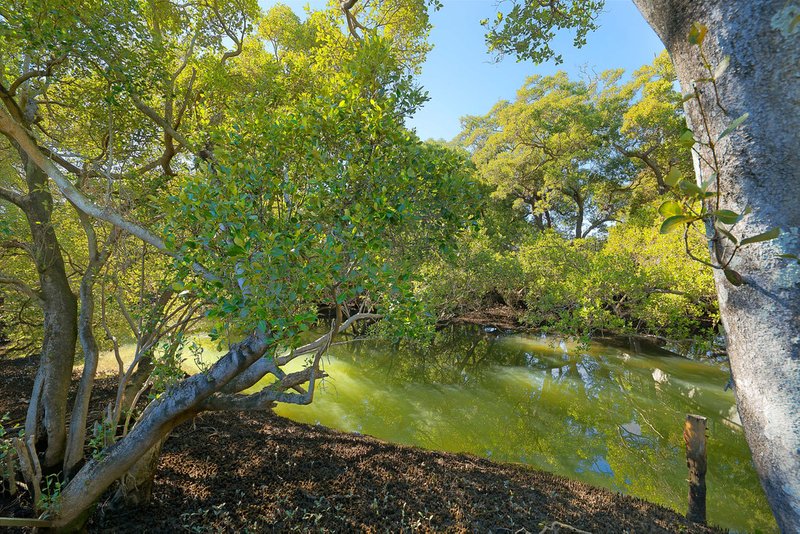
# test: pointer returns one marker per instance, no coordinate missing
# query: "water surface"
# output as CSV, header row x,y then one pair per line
x,y
608,416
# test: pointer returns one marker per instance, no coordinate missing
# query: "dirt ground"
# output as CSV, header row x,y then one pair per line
x,y
263,473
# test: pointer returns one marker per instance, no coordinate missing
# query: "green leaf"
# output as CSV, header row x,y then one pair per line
x,y
794,23
670,208
697,33
722,67
671,223
690,188
765,236
726,216
687,139
709,182
673,177
789,257
177,286
727,234
733,125
238,241
733,277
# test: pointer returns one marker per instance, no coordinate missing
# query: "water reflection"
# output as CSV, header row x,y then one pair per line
x,y
605,415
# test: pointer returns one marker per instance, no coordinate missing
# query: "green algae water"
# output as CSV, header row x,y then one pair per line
x,y
608,416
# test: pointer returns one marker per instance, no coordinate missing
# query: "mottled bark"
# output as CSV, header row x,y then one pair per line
x,y
77,426
760,167
60,309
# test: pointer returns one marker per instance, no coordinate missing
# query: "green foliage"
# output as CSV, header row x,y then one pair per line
x,y
581,165
325,201
103,435
8,457
634,282
553,150
476,270
50,500
527,29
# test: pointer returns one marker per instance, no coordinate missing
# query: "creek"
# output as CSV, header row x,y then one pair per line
x,y
605,415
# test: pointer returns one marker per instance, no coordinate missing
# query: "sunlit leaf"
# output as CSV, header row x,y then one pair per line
x,y
770,234
733,125
670,208
722,67
697,33
673,177
691,188
675,222
687,139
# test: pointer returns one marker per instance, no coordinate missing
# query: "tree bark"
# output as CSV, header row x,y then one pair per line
x,y
578,217
91,354
760,167
158,420
136,486
60,309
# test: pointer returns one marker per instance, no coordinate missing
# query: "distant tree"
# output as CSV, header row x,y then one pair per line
x,y
572,152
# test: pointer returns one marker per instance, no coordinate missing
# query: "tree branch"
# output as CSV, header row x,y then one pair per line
x,y
15,198
21,287
12,90
20,135
160,121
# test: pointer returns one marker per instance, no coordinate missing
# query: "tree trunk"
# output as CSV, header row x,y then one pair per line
x,y
60,309
578,217
136,486
157,421
760,167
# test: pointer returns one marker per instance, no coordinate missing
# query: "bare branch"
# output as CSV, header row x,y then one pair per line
x,y
160,121
12,90
263,366
18,199
17,133
21,287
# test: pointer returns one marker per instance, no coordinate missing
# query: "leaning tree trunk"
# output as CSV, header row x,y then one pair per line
x,y
136,486
60,309
760,167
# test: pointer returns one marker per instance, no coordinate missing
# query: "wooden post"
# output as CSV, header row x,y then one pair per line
x,y
694,434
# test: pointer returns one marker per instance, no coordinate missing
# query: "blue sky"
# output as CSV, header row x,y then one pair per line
x,y
462,78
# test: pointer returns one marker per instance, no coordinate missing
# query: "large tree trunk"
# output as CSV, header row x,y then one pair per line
x,y
60,318
760,167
